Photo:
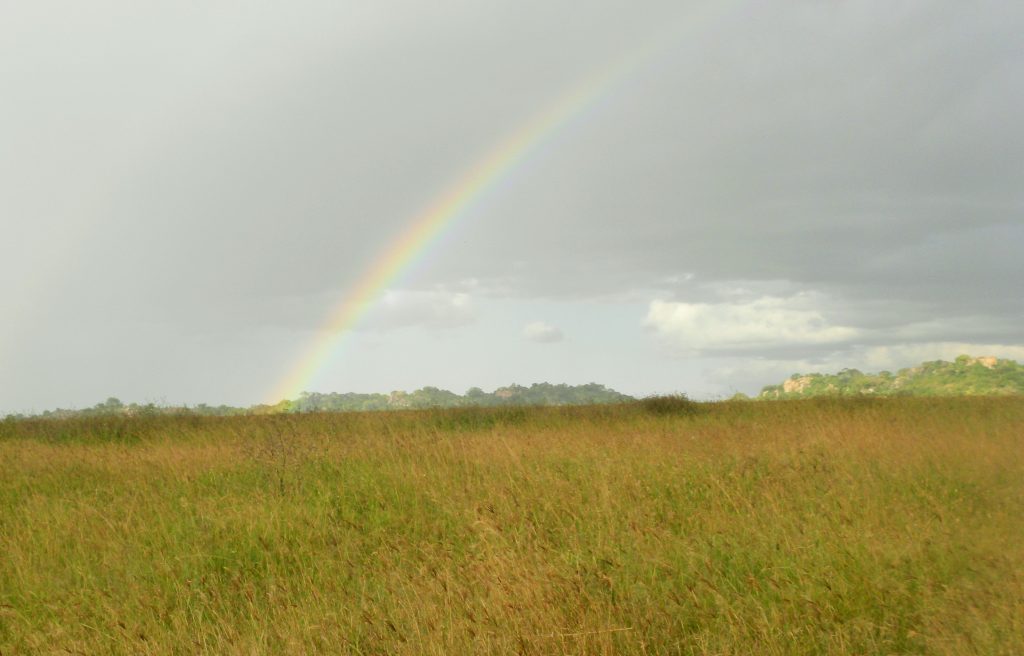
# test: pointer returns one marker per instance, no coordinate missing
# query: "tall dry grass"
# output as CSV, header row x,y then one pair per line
x,y
873,527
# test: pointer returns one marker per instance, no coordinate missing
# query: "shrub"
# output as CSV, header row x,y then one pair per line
x,y
671,404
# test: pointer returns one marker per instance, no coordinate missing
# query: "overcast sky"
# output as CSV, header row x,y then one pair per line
x,y
188,189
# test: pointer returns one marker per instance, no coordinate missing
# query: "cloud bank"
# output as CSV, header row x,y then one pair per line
x,y
763,323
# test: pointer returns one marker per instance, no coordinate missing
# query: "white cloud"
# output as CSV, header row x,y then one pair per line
x,y
538,331
765,322
429,309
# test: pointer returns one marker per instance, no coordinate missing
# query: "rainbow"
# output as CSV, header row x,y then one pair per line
x,y
426,227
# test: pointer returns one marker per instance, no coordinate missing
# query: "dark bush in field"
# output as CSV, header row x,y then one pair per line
x,y
671,404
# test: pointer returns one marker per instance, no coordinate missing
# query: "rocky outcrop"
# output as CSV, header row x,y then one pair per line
x,y
796,385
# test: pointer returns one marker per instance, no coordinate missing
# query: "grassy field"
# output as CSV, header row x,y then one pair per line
x,y
886,526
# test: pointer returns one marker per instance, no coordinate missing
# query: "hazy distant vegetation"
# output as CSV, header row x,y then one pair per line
x,y
432,397
964,376
427,397
839,526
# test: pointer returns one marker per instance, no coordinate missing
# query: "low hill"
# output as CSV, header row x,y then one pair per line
x,y
965,376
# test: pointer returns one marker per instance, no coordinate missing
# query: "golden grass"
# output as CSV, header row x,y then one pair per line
x,y
858,527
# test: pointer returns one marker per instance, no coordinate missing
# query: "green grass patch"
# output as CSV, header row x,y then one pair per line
x,y
661,527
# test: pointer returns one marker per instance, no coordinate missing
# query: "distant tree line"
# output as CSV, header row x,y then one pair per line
x,y
433,397
427,397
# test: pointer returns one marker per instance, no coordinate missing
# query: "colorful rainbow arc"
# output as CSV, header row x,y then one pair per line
x,y
406,249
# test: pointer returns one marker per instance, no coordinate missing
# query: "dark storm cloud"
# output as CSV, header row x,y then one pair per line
x,y
219,177
873,155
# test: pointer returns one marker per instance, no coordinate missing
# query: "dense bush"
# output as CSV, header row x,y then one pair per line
x,y
671,404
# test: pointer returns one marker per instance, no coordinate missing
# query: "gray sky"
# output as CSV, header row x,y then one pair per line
x,y
188,189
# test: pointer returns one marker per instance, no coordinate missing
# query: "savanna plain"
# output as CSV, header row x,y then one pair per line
x,y
861,526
